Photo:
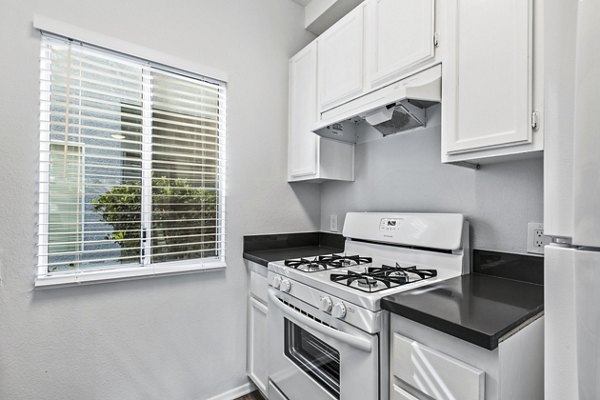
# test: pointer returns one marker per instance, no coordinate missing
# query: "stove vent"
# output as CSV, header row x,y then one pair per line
x,y
394,108
398,117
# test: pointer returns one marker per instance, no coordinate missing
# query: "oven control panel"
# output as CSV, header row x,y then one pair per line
x,y
315,301
390,224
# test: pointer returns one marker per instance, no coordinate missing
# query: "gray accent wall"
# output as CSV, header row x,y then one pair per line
x,y
403,173
181,337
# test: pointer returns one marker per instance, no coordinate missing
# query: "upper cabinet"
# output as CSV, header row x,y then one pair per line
x,y
400,37
302,145
340,51
491,101
375,45
492,79
310,157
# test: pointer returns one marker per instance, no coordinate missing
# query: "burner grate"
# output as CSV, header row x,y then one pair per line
x,y
337,261
307,265
375,279
322,263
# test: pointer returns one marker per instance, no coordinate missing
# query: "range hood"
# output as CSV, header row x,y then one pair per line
x,y
391,109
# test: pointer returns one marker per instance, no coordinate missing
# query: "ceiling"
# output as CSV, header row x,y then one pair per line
x,y
321,14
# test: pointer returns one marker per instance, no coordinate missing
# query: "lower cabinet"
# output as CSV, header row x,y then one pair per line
x,y
256,352
426,364
432,373
257,344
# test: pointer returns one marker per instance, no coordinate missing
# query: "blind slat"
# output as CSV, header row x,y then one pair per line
x,y
129,69
60,136
131,101
133,230
160,129
153,152
77,262
137,222
130,110
129,114
112,250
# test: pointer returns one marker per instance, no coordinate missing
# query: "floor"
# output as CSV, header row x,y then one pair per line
x,y
251,396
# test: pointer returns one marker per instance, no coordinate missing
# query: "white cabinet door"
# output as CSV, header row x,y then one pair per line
x,y
435,374
303,145
341,47
487,85
399,36
257,344
310,157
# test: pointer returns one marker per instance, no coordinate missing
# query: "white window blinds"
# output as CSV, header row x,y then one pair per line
x,y
131,162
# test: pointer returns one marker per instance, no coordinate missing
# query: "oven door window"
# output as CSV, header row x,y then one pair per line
x,y
318,359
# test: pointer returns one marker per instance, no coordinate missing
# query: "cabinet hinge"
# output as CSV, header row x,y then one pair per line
x,y
436,41
534,120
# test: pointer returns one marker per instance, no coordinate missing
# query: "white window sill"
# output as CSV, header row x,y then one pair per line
x,y
122,274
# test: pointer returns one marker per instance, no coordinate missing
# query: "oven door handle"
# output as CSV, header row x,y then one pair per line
x,y
354,341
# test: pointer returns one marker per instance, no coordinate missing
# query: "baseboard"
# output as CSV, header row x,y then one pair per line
x,y
235,392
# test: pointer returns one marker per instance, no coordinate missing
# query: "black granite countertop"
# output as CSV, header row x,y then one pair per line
x,y
263,249
480,307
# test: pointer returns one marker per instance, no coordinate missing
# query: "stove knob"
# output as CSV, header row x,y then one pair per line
x,y
276,281
286,285
325,303
339,310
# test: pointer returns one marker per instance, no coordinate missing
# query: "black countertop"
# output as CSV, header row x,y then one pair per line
x,y
480,307
263,249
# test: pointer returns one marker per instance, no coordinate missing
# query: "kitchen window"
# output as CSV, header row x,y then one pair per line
x,y
131,166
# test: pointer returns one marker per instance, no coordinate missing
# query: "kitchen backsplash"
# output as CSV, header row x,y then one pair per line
x,y
403,173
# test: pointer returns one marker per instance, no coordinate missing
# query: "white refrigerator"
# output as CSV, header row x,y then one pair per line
x,y
572,199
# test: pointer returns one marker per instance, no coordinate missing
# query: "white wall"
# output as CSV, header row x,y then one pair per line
x,y
403,173
176,338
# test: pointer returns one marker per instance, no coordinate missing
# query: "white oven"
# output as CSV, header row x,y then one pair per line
x,y
315,356
328,336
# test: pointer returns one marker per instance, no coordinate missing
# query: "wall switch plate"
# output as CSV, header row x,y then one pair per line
x,y
333,223
536,240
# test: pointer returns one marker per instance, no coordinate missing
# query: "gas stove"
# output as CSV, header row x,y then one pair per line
x,y
324,311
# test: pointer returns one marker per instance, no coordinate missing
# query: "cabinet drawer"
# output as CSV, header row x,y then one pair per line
x,y
433,373
258,286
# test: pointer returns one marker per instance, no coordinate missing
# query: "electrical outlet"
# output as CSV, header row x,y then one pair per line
x,y
333,223
536,240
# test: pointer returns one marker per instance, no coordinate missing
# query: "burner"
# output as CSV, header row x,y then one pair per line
x,y
322,263
305,265
384,277
402,272
366,282
337,261
314,266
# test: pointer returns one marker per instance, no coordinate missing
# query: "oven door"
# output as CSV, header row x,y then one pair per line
x,y
314,356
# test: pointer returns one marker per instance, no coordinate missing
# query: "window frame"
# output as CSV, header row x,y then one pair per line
x,y
140,270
